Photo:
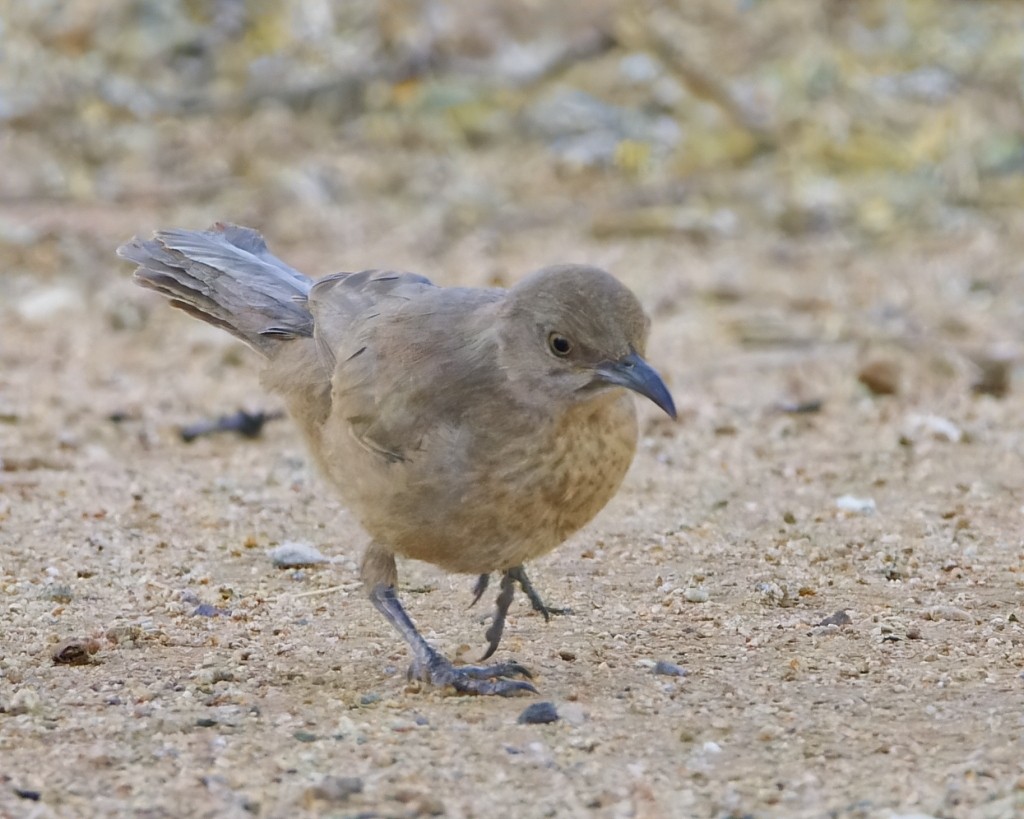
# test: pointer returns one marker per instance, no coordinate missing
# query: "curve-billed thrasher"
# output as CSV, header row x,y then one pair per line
x,y
475,429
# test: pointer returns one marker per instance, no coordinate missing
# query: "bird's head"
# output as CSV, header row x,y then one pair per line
x,y
578,330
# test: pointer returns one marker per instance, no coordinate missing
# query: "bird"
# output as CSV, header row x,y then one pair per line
x,y
475,429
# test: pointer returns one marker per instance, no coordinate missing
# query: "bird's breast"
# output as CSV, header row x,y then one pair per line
x,y
588,454
480,499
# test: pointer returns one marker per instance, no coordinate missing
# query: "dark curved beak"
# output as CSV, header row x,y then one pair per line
x,y
635,374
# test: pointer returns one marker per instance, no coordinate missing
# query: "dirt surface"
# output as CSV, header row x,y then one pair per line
x,y
722,554
824,222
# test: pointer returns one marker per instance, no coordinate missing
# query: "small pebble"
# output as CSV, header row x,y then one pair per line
x,y
125,633
994,370
336,788
208,610
75,651
540,713
573,713
840,618
58,594
859,506
369,699
800,407
293,554
948,613
881,376
25,701
667,669
773,594
931,426
696,594
42,305
568,656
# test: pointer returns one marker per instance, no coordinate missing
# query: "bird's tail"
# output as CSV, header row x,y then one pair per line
x,y
226,277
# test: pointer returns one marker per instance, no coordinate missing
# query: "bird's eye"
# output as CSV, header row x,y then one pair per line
x,y
559,344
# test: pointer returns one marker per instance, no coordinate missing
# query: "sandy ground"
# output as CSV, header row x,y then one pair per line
x,y
723,553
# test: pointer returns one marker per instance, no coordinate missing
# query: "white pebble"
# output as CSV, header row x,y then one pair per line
x,y
696,594
859,506
935,426
292,554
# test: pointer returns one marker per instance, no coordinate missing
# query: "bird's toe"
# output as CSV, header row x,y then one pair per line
x,y
484,680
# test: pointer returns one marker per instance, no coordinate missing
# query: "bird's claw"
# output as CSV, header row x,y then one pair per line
x,y
536,602
509,578
547,612
484,680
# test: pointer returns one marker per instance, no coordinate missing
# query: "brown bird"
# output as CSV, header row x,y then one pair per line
x,y
475,429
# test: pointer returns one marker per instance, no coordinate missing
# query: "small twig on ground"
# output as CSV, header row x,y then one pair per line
x,y
246,424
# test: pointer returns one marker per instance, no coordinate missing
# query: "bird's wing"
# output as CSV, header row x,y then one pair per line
x,y
403,353
342,302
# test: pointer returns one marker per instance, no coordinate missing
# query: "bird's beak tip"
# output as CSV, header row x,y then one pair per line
x,y
635,374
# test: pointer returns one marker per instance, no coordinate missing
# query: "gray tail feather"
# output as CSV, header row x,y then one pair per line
x,y
226,277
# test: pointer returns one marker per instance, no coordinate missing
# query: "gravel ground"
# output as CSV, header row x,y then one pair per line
x,y
816,657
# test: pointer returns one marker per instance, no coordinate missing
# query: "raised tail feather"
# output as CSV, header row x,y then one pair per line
x,y
226,277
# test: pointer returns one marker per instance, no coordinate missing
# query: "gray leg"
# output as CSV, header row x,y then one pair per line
x,y
481,586
493,635
430,666
509,578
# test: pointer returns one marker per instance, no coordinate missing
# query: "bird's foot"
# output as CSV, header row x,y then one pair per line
x,y
509,578
473,679
519,575
430,666
547,612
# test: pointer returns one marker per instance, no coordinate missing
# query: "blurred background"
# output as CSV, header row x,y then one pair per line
x,y
429,126
776,172
770,173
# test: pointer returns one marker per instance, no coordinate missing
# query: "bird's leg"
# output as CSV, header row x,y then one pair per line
x,y
493,634
432,667
519,575
508,580
428,664
481,586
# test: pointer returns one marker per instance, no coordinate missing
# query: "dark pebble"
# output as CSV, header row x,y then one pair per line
x,y
208,610
32,796
305,736
540,713
801,407
369,699
994,375
840,618
668,669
